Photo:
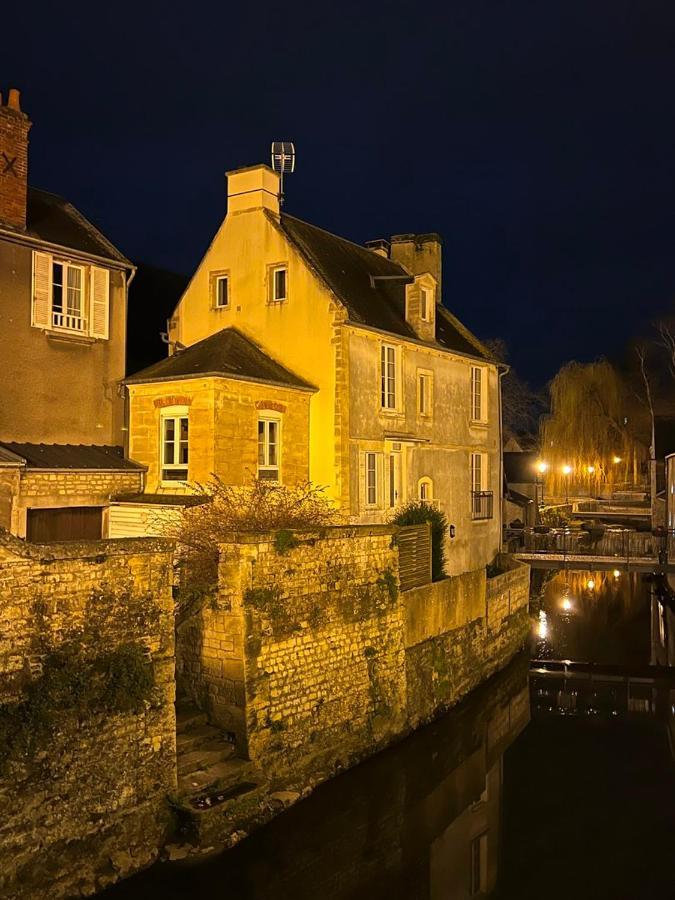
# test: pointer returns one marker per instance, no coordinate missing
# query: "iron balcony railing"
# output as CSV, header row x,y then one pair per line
x,y
482,504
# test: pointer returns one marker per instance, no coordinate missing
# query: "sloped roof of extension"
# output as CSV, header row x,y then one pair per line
x,y
226,353
54,220
352,273
65,456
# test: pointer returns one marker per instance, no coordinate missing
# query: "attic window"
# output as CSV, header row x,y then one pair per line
x,y
222,292
278,284
425,304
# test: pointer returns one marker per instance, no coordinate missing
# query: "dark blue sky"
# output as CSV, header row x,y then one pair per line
x,y
538,136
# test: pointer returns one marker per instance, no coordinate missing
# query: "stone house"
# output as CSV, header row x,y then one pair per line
x,y
405,401
63,293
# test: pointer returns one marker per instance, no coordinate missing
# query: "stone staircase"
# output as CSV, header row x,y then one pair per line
x,y
206,757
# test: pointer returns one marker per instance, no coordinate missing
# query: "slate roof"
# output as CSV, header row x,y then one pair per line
x,y
227,352
354,274
519,468
56,221
70,456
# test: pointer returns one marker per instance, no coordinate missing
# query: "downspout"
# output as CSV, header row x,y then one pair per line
x,y
501,371
125,389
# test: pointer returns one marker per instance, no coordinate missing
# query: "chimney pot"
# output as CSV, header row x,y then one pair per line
x,y
14,99
380,246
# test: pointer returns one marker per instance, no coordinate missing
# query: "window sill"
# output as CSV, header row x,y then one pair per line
x,y
69,337
392,413
474,423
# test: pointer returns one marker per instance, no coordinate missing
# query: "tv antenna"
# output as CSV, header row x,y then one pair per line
x,y
283,162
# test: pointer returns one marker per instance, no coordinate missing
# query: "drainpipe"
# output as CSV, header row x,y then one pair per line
x,y
501,371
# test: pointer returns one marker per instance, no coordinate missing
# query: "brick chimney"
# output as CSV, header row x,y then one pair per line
x,y
256,187
419,253
14,127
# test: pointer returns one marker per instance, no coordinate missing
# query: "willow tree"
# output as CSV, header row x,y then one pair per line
x,y
589,439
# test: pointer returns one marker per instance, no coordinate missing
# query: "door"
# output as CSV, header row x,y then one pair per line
x,y
67,523
393,479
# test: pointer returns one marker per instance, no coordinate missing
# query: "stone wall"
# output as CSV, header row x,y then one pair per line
x,y
311,653
85,802
304,654
461,630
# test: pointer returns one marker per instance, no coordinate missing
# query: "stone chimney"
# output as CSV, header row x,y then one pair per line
x,y
14,127
419,253
380,246
256,187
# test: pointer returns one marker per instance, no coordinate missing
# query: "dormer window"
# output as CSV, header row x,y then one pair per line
x,y
426,304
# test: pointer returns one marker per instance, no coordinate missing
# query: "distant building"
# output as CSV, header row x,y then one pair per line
x,y
522,487
296,353
63,293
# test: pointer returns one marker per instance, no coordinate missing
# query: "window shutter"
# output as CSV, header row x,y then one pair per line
x,y
42,290
99,303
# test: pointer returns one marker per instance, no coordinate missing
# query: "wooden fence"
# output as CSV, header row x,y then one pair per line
x,y
414,555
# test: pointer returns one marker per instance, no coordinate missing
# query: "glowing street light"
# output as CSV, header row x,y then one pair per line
x,y
616,573
566,469
542,467
590,469
590,584
617,459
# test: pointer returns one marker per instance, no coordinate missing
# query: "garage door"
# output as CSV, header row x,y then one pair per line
x,y
67,523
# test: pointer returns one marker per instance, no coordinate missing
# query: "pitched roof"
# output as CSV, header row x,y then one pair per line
x,y
56,221
70,456
227,352
371,287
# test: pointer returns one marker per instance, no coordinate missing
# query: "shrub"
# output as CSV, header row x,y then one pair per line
x,y
416,513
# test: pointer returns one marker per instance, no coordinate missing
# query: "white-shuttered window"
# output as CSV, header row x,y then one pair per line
x,y
478,394
69,297
479,473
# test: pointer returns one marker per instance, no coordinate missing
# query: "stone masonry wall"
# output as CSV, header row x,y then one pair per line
x,y
88,805
304,655
311,654
460,631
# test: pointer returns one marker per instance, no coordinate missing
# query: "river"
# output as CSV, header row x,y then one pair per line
x,y
537,786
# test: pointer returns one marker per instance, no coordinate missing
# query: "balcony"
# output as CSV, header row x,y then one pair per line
x,y
482,505
68,322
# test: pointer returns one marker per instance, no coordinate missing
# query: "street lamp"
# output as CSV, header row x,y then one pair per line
x,y
541,467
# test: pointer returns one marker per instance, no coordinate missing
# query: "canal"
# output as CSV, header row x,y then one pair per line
x,y
545,783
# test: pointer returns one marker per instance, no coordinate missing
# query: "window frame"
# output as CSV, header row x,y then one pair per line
x,y
66,265
482,417
484,464
266,466
424,483
273,270
426,303
478,860
217,281
386,378
175,414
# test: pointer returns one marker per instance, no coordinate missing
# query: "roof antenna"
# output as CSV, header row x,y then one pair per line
x,y
283,162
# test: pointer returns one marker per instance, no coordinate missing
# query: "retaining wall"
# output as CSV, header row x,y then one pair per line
x,y
86,804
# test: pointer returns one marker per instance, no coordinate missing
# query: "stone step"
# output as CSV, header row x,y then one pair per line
x,y
196,738
221,774
188,716
195,760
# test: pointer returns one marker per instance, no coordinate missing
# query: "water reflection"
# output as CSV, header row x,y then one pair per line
x,y
420,821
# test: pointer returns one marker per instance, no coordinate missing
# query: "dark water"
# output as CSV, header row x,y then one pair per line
x,y
535,787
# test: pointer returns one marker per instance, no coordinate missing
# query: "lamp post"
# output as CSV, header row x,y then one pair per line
x,y
540,469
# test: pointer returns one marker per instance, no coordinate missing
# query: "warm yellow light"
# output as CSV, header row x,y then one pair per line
x,y
616,573
590,584
543,624
591,469
617,459
567,604
542,466
566,470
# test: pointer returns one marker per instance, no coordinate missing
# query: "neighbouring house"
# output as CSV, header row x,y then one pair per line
x,y
523,488
355,375
63,294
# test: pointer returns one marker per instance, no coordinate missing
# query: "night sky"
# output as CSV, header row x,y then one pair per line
x,y
537,137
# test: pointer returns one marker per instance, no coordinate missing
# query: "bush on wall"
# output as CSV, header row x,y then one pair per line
x,y
417,512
